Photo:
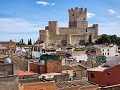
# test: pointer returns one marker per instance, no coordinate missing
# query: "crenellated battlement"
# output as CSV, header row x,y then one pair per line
x,y
95,25
77,10
52,22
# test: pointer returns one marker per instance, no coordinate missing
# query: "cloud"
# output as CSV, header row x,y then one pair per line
x,y
118,16
109,28
111,11
17,25
89,15
45,3
52,4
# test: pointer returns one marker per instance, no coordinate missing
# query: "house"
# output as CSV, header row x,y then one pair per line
x,y
79,72
47,64
9,44
38,86
67,69
8,75
79,56
106,50
106,74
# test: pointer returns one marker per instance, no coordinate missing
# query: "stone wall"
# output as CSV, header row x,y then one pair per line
x,y
8,69
9,82
62,77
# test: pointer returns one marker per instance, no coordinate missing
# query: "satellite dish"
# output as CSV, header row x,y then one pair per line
x,y
7,60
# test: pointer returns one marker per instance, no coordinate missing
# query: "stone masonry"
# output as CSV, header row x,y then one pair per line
x,y
77,31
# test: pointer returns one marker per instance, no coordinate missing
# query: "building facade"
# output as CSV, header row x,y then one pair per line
x,y
107,74
8,75
76,33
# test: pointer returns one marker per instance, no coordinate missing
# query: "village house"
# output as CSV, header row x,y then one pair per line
x,y
10,45
109,73
8,75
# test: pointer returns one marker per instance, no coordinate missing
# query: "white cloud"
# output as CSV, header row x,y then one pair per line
x,y
52,4
89,15
42,3
17,25
118,16
45,3
109,28
111,11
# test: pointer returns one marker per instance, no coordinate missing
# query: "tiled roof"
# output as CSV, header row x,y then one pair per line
x,y
66,67
77,53
67,84
22,73
76,68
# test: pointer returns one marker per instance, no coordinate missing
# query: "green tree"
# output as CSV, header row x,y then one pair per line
x,y
29,42
104,39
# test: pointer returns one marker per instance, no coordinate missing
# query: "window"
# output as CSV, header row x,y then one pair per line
x,y
72,14
84,18
92,75
86,30
108,49
108,72
108,53
66,71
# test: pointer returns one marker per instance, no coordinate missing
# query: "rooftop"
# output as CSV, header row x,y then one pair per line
x,y
66,67
99,68
68,84
22,73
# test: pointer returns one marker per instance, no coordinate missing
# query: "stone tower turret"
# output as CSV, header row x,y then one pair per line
x,y
53,27
78,18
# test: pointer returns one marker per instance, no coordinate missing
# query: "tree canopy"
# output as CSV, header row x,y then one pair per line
x,y
108,39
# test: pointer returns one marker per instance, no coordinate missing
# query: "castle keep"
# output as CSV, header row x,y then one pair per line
x,y
77,32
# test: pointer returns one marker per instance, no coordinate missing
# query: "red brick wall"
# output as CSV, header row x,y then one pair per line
x,y
42,69
34,67
102,78
53,66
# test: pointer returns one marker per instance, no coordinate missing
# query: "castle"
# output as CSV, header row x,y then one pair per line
x,y
78,31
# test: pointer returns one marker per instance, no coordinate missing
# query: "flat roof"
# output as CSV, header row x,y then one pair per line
x,y
99,68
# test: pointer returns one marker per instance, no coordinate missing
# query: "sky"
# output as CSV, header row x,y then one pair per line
x,y
24,18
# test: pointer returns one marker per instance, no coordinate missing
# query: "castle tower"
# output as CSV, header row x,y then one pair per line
x,y
78,18
52,30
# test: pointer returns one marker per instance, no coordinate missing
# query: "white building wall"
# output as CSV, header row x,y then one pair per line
x,y
82,57
111,50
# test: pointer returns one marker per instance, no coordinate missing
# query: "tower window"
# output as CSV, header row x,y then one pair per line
x,y
72,14
86,30
84,18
